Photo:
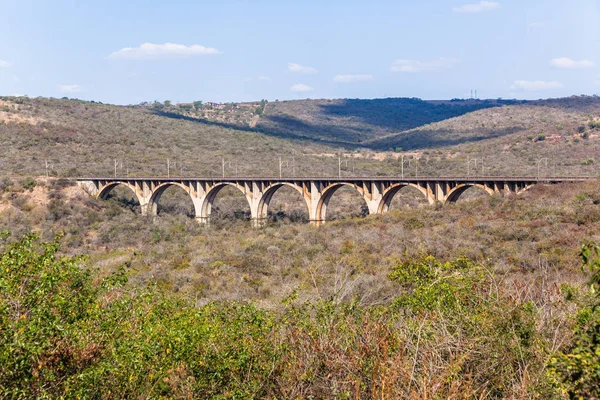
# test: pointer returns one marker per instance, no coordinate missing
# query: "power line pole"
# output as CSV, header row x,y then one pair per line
x,y
281,164
340,162
116,164
223,163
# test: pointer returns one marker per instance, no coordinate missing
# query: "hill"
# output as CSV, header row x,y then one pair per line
x,y
493,137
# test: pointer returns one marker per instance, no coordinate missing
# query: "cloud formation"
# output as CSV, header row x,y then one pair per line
x,y
476,7
5,64
301,87
151,51
423,66
349,78
567,63
70,88
301,69
535,86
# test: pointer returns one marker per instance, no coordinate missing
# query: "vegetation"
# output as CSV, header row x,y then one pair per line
x,y
481,299
450,332
85,138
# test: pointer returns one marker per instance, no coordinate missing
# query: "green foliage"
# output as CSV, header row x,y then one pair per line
x,y
585,135
197,105
63,335
28,183
431,284
587,161
167,103
66,333
594,124
577,370
541,137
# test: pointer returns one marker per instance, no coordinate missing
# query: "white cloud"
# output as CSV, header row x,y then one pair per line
x,y
567,63
70,88
302,69
347,78
151,51
263,78
534,86
5,64
422,66
477,7
301,87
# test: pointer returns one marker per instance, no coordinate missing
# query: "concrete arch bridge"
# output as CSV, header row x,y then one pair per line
x,y
317,192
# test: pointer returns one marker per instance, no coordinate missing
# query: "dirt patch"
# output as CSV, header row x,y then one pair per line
x,y
11,112
39,196
74,192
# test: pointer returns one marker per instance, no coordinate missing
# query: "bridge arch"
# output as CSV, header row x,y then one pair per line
x,y
265,200
160,189
327,193
525,188
106,189
453,195
205,208
389,194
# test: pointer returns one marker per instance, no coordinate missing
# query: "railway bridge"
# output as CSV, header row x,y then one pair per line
x,y
377,192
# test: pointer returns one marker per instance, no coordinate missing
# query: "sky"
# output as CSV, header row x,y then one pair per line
x,y
127,52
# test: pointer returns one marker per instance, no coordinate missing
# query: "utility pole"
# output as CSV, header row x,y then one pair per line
x,y
402,167
340,162
281,164
116,164
223,163
469,165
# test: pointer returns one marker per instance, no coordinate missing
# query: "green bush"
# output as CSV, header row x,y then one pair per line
x,y
28,183
576,371
63,334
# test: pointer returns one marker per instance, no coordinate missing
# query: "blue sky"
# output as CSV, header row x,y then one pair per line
x,y
126,52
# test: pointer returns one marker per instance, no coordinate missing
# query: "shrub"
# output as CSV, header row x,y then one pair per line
x,y
63,335
28,183
576,371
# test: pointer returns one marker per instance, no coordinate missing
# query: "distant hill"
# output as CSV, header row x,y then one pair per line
x,y
355,121
440,137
